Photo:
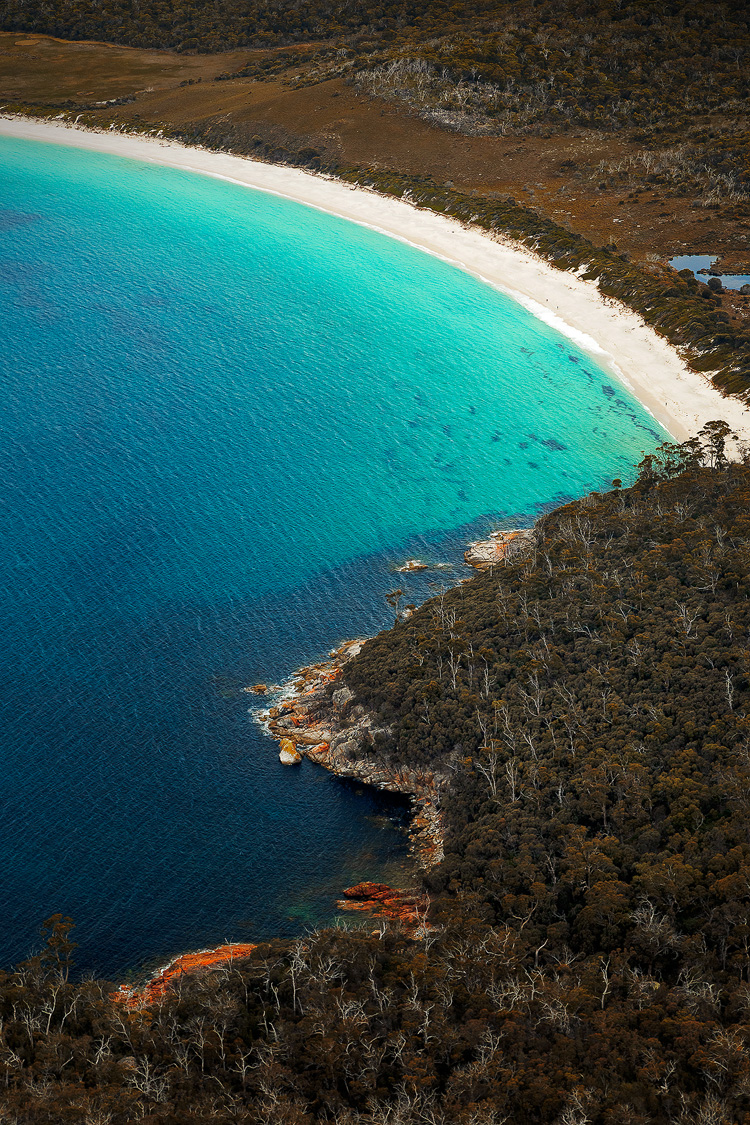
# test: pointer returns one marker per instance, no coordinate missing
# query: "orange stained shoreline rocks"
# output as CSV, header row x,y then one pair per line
x,y
500,547
383,901
156,988
408,908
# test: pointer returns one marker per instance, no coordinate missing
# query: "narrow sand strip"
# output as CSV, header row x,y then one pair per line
x,y
617,337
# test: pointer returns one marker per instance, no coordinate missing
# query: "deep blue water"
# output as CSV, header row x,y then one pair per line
x,y
223,416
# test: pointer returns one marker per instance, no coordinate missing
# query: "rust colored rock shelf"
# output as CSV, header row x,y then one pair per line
x,y
156,987
408,908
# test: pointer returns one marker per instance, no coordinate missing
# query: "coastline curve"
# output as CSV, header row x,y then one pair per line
x,y
681,399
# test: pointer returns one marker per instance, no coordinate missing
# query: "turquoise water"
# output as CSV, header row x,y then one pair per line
x,y
223,416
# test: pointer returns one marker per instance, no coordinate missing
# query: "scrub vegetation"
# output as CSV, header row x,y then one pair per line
x,y
494,68
587,957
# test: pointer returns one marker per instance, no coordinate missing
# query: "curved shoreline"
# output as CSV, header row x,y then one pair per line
x,y
646,364
650,368
314,720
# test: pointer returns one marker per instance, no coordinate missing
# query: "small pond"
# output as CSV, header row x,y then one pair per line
x,y
699,262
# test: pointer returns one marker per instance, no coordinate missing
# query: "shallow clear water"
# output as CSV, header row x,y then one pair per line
x,y
223,416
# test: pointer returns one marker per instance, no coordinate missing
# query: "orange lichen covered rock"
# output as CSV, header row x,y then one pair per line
x,y
406,907
289,755
369,890
320,749
156,988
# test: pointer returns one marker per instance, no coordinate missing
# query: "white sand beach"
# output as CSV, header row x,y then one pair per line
x,y
621,341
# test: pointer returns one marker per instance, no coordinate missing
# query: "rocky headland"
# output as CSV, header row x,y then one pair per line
x,y
315,717
499,547
318,718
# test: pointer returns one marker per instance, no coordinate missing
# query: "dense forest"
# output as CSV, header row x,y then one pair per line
x,y
588,956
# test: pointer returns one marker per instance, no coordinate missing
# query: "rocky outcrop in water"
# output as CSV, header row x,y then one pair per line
x,y
408,908
320,717
289,755
412,565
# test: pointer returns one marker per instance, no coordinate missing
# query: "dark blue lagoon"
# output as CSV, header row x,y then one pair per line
x,y
224,415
